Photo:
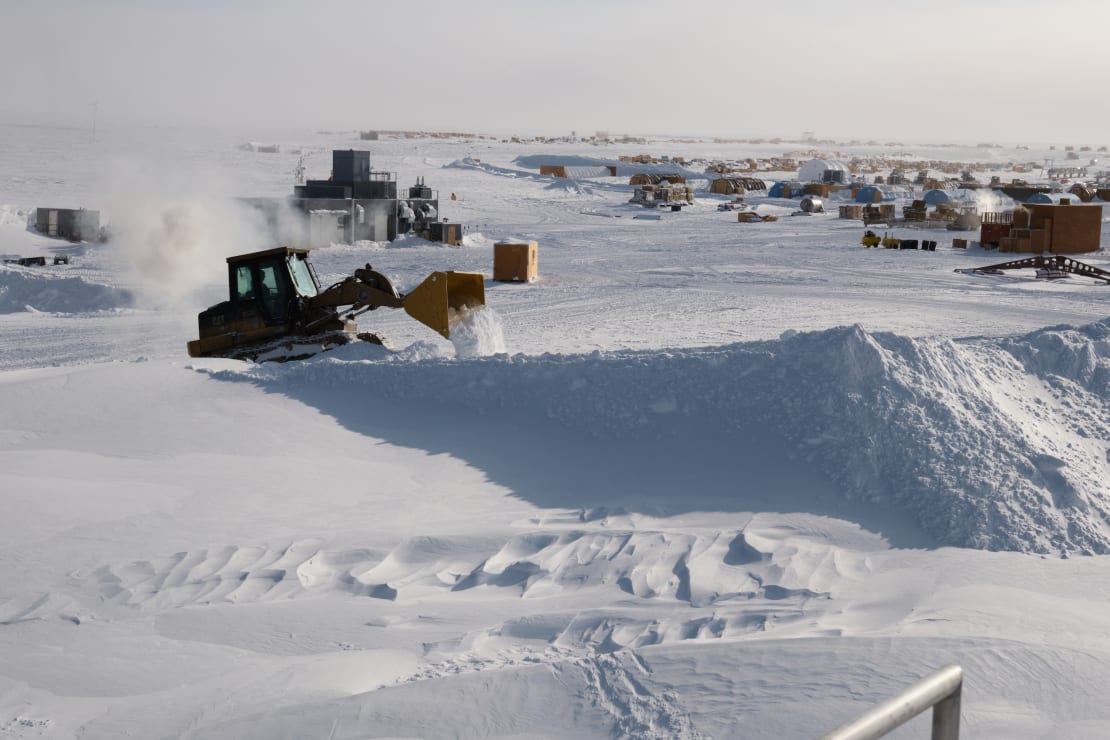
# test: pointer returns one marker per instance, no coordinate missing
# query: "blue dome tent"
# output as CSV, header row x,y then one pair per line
x,y
869,194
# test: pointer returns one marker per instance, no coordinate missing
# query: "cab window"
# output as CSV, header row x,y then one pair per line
x,y
244,284
274,288
302,275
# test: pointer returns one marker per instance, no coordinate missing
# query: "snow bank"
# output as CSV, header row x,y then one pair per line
x,y
993,444
24,290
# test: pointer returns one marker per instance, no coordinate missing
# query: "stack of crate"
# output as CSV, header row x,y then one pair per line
x,y
914,212
1020,237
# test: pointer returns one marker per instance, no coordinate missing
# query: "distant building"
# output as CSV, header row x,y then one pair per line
x,y
68,223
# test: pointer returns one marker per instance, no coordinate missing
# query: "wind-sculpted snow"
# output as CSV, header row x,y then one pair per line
x,y
21,289
992,444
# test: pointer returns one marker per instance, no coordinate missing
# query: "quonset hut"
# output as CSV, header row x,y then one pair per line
x,y
831,171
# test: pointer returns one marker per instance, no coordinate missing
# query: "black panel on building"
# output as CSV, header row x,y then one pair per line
x,y
350,166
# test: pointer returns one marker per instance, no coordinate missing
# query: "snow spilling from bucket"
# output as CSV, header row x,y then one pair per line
x,y
477,332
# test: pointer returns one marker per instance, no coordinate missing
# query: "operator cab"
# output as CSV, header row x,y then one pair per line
x,y
268,282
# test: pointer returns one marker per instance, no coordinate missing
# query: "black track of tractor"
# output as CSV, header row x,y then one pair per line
x,y
1054,266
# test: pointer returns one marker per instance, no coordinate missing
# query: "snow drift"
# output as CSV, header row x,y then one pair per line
x,y
23,289
956,433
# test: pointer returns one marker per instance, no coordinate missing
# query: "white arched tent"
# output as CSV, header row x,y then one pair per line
x,y
815,171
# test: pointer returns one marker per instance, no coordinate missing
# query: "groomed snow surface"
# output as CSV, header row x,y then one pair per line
x,y
703,479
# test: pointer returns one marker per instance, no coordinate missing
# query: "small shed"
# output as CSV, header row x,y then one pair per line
x,y
515,261
68,223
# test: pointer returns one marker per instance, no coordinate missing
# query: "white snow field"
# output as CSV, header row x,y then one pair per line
x,y
713,480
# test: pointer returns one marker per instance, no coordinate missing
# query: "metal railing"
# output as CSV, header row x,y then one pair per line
x,y
940,691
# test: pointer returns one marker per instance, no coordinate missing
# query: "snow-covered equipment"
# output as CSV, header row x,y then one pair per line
x,y
276,309
1051,268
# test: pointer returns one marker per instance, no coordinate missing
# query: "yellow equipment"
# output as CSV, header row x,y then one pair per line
x,y
276,309
870,239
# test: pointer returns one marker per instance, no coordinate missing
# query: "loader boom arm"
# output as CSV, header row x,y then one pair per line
x,y
431,303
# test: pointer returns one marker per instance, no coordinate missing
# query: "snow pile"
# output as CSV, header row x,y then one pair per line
x,y
993,444
468,163
24,290
569,187
15,216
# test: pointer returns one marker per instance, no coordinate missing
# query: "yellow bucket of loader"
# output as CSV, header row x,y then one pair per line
x,y
442,296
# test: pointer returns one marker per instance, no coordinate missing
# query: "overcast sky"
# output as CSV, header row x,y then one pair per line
x,y
939,70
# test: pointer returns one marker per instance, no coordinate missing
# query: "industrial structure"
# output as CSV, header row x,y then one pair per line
x,y
356,203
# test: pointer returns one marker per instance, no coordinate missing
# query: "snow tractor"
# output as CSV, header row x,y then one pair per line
x,y
277,311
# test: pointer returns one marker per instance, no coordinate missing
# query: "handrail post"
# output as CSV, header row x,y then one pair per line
x,y
941,691
946,716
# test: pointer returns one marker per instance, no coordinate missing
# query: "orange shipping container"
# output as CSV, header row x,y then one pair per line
x,y
517,261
